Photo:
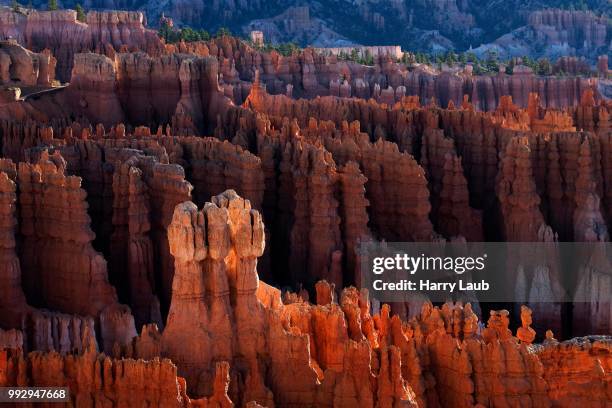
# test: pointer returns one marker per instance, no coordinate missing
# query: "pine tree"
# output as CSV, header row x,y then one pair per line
x,y
204,35
80,13
169,35
52,5
369,58
544,67
223,31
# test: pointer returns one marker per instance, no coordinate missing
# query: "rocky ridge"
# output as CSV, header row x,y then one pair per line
x,y
141,231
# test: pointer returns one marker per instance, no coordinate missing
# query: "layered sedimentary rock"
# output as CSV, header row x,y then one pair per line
x,y
478,153
201,245
13,304
454,216
45,331
131,243
57,332
384,168
579,29
581,33
315,231
333,350
124,169
96,379
143,193
47,197
93,77
23,67
226,294
517,194
309,74
583,362
60,32
408,202
111,91
353,208
131,196
60,268
465,376
193,236
593,313
589,224
100,214
396,186
214,167
537,281
20,135
192,90
477,138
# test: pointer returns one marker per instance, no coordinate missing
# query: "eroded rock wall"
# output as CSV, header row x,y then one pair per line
x,y
60,32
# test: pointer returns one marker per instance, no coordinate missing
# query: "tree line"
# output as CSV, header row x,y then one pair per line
x,y
51,6
490,64
172,35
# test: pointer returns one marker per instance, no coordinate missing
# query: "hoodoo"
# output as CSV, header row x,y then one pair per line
x,y
197,220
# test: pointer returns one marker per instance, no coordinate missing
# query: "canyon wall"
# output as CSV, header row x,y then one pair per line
x,y
335,353
112,91
579,29
309,74
60,32
20,66
132,247
304,74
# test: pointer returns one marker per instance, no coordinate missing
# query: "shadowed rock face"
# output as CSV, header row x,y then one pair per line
x,y
60,32
518,27
111,91
305,74
23,67
118,217
309,73
439,357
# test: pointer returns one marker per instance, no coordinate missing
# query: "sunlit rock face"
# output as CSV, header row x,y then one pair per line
x,y
181,224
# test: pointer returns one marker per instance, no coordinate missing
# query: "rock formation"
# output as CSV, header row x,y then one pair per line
x,y
525,333
312,74
574,363
13,304
96,379
22,67
438,357
110,91
60,32
454,216
517,194
589,224
153,192
51,201
578,28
